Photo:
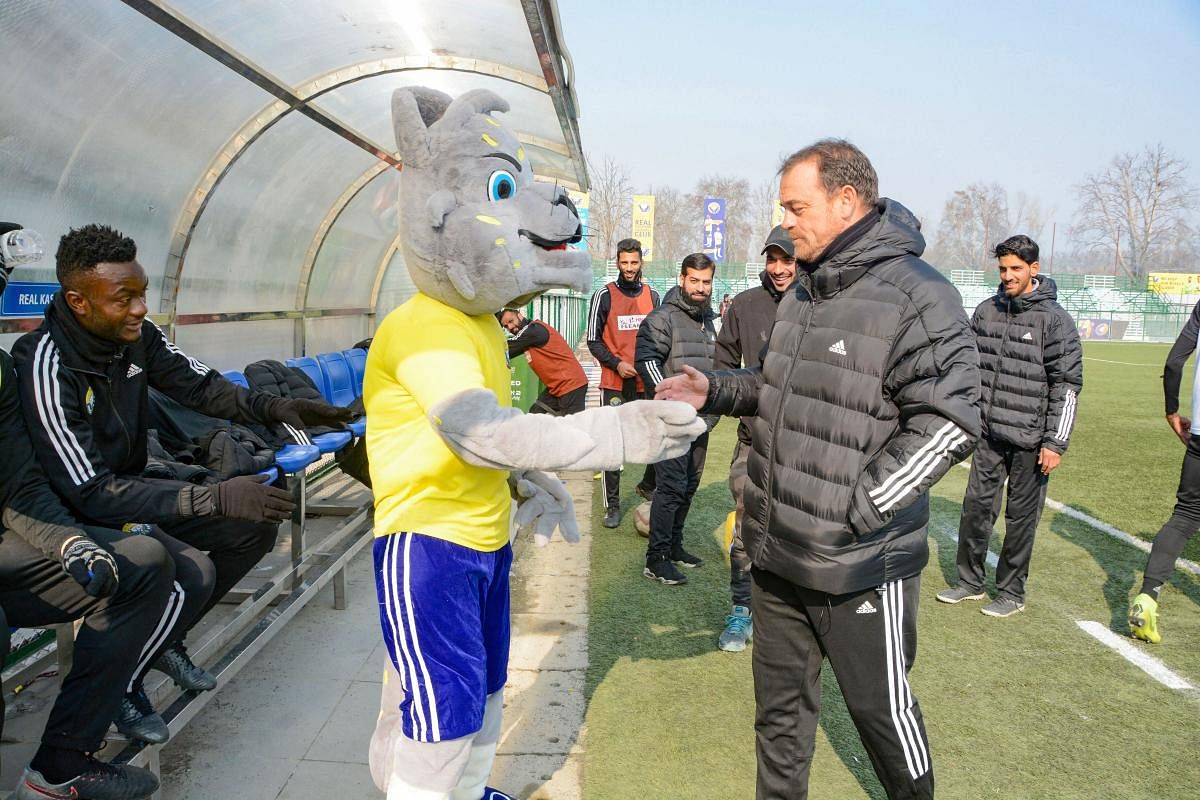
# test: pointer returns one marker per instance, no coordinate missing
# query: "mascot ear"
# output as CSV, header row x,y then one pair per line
x,y
469,104
414,109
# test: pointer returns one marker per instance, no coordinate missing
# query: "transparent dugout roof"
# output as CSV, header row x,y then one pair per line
x,y
247,147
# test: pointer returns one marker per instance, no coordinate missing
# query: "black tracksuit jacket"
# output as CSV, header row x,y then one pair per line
x,y
1030,368
673,335
86,406
868,394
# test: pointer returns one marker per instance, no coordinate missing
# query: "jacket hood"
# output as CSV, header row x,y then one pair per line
x,y
79,349
699,313
1043,289
895,232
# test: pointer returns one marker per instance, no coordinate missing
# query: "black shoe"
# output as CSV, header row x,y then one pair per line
x,y
660,568
99,781
495,794
175,662
137,719
685,559
612,517
646,492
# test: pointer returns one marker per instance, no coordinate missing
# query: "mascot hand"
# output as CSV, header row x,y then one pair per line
x,y
545,502
655,430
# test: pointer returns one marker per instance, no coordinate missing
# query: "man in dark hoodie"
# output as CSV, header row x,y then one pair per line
x,y
868,393
743,336
1031,368
679,332
616,311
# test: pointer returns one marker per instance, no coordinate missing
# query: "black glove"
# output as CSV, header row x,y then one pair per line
x,y
300,413
91,566
247,497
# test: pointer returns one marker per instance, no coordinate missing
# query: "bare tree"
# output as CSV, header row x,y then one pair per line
x,y
676,225
973,220
763,199
610,212
1134,207
1027,216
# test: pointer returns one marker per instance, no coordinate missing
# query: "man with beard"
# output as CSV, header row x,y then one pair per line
x,y
551,359
616,311
679,332
744,334
868,393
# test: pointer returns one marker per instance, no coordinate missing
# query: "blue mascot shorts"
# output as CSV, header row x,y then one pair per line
x,y
444,611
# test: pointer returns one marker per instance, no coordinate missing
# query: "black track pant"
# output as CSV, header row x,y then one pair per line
x,y
560,405
1182,526
678,479
612,480
992,463
870,639
739,561
234,545
35,592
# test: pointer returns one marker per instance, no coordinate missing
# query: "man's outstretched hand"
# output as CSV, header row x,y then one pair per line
x,y
691,386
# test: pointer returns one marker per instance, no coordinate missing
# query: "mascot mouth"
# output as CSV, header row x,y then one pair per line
x,y
551,244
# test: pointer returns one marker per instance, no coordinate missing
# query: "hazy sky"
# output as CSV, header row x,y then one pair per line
x,y
938,94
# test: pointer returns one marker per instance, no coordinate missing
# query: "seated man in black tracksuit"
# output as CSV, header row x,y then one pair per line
x,y
123,586
679,332
1031,374
85,374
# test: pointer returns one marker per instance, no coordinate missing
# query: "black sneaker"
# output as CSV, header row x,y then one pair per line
x,y
612,517
99,781
495,794
683,558
137,719
175,662
660,568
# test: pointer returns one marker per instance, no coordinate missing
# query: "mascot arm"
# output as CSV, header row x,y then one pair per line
x,y
481,432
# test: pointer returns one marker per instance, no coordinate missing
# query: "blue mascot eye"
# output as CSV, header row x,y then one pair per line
x,y
501,185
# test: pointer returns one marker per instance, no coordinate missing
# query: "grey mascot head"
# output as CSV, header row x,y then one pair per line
x,y
479,234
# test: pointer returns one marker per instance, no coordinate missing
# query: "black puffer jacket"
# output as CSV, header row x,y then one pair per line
x,y
1030,368
745,331
279,380
868,393
675,334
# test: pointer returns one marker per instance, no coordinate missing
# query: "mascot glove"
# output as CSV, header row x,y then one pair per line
x,y
303,413
544,500
91,566
655,430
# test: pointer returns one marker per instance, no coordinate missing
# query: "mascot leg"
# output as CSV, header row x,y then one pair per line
x,y
483,752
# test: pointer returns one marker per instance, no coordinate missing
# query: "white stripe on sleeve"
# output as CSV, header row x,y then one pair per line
x,y
48,398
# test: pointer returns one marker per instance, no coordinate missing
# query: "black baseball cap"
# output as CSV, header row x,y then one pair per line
x,y
778,237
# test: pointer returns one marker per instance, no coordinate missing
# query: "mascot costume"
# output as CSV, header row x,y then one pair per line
x,y
448,453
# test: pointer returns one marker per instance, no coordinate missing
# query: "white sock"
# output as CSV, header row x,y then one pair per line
x,y
483,752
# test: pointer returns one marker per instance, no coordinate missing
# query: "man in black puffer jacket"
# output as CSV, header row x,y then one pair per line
x,y
679,332
867,395
1031,367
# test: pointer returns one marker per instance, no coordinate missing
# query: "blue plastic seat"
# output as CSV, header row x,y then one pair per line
x,y
313,370
272,474
357,359
339,379
359,426
293,458
239,378
333,441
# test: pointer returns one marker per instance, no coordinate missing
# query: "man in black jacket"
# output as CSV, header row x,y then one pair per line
x,y
867,394
53,570
1031,368
679,332
85,374
743,337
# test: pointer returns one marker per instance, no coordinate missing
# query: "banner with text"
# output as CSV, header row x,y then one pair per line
x,y
643,223
1174,283
777,216
714,228
582,201
27,299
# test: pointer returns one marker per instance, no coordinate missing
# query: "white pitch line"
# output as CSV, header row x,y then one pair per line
x,y
992,559
1148,664
1123,363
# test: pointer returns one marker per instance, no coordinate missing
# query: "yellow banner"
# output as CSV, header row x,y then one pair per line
x,y
777,216
643,223
1174,283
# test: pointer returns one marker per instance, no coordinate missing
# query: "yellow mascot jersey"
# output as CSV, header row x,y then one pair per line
x,y
424,352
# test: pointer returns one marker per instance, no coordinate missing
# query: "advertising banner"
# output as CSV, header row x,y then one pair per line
x,y
582,201
776,215
1174,283
1106,329
643,223
27,299
714,228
